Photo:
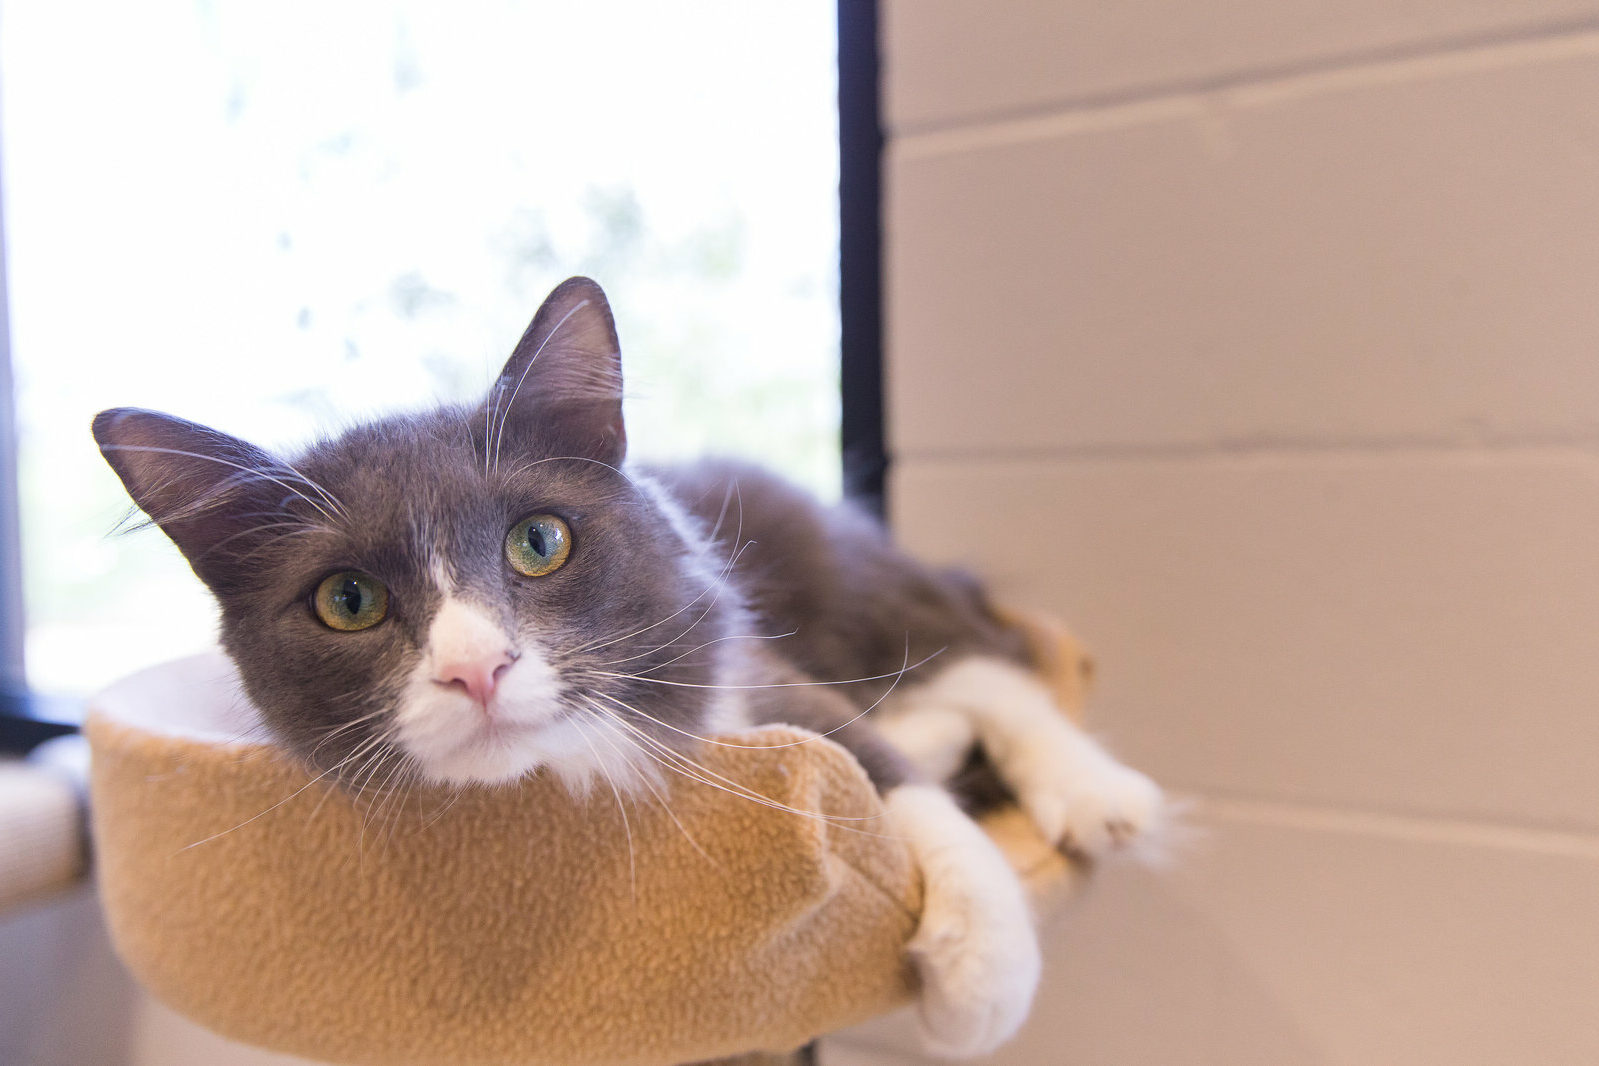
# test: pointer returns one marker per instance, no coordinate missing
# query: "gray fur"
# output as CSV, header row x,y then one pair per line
x,y
401,497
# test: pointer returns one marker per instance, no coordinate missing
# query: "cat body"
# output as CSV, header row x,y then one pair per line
x,y
470,595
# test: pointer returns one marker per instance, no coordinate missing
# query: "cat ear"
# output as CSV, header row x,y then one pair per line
x,y
561,390
213,494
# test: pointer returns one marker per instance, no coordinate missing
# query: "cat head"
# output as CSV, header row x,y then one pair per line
x,y
464,595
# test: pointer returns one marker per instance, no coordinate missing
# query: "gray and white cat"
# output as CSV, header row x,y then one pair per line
x,y
474,595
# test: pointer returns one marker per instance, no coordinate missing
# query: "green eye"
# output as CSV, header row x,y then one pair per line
x,y
350,600
538,545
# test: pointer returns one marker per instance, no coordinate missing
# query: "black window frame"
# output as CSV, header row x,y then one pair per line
x,y
860,253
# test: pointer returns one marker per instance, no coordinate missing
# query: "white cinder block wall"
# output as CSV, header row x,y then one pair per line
x,y
1261,340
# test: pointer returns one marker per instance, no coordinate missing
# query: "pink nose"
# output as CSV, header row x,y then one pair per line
x,y
476,676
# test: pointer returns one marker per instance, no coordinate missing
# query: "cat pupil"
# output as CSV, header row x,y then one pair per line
x,y
535,540
350,598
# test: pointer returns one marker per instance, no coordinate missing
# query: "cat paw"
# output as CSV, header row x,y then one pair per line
x,y
975,950
1084,801
975,991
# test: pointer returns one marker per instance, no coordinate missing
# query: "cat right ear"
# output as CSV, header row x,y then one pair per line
x,y
216,496
561,391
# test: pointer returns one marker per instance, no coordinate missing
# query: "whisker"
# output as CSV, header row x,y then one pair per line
x,y
721,515
716,586
659,798
730,744
380,810
627,828
237,466
351,724
390,798
262,814
367,772
737,550
705,775
490,409
776,684
362,749
702,647
332,500
455,796
691,770
409,774
300,529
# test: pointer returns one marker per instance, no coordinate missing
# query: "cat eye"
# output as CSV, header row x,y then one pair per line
x,y
350,600
538,545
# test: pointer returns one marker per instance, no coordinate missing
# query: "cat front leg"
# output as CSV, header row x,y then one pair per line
x,y
1077,794
975,950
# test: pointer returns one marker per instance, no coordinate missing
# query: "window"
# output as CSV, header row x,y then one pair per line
x,y
274,219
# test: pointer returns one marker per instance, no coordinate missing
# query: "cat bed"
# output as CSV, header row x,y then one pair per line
x,y
504,926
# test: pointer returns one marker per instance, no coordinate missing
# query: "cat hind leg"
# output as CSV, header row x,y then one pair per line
x,y
1078,795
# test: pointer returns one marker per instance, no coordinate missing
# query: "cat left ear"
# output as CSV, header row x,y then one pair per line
x,y
206,489
561,390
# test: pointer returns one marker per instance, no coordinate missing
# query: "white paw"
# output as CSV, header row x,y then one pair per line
x,y
975,950
1081,798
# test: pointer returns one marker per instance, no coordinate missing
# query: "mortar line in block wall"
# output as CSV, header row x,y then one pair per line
x,y
1435,829
1554,449
1209,98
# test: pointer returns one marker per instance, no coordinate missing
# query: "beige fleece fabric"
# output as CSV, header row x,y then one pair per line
x,y
515,925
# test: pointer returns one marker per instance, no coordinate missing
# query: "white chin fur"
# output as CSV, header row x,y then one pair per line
x,y
583,754
454,742
527,728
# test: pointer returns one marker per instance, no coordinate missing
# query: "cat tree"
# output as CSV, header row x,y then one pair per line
x,y
513,926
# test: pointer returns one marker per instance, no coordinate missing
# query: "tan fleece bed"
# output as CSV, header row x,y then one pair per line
x,y
506,926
